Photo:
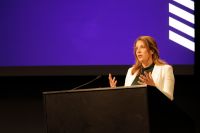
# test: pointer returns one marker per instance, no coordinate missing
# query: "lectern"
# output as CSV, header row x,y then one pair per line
x,y
135,109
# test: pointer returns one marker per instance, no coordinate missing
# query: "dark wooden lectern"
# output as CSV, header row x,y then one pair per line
x,y
136,109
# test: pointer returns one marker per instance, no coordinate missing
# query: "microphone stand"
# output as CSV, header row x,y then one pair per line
x,y
98,77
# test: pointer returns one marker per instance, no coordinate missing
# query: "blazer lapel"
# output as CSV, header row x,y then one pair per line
x,y
155,73
132,78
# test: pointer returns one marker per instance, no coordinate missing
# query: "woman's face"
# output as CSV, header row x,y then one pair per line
x,y
143,54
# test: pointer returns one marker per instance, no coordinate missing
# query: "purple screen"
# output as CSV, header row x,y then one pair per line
x,y
88,32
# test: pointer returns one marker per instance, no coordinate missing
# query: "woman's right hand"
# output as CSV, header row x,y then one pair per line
x,y
112,81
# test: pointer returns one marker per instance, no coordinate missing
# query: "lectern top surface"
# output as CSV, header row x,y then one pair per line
x,y
94,89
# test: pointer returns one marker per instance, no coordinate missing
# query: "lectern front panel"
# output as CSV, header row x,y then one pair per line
x,y
121,110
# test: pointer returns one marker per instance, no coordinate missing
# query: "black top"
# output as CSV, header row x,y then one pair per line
x,y
147,69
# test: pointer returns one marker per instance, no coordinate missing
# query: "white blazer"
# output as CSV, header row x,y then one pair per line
x,y
163,77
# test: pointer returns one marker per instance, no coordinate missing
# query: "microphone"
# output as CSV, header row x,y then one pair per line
x,y
98,77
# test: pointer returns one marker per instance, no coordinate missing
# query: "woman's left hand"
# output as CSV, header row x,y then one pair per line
x,y
146,79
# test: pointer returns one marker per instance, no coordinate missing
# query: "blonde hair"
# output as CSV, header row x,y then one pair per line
x,y
151,45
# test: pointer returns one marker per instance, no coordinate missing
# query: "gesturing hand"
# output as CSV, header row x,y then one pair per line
x,y
112,81
146,79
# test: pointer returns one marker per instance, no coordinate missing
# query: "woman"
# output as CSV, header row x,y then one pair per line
x,y
149,69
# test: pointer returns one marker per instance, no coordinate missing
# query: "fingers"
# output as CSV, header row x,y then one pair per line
x,y
146,74
146,79
114,84
141,83
150,75
110,76
112,81
142,78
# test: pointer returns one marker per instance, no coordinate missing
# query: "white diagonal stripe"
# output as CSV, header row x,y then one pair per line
x,y
181,40
187,3
181,27
181,13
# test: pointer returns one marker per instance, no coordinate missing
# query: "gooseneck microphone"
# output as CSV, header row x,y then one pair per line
x,y
91,81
